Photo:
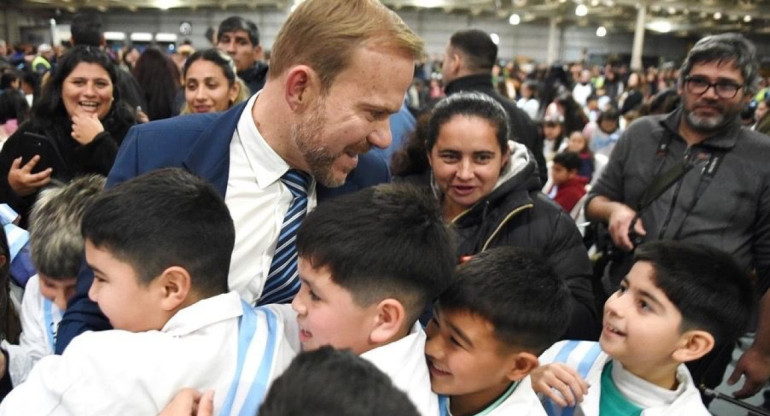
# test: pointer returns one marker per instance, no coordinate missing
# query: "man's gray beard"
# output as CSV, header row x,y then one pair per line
x,y
707,124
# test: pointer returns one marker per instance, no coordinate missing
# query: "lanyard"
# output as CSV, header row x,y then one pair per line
x,y
257,384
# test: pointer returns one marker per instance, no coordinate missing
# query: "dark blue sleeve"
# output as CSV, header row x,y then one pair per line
x,y
82,314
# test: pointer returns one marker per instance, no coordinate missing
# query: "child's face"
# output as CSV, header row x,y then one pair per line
x,y
561,174
128,305
465,357
327,314
642,328
577,142
58,291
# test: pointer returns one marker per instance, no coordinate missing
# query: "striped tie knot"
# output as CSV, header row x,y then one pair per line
x,y
297,182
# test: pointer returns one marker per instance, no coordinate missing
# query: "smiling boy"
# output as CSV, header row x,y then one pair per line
x,y
504,309
676,303
370,263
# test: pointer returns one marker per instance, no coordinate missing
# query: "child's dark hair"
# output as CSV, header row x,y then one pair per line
x,y
334,383
708,287
517,291
387,241
165,218
570,160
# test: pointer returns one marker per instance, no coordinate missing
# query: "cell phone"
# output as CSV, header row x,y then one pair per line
x,y
36,144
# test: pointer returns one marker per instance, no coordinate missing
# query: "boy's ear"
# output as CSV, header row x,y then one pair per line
x,y
174,286
694,344
520,365
388,322
301,84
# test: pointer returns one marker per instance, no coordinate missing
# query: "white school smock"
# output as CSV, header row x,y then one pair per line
x,y
124,373
521,402
588,359
404,362
39,320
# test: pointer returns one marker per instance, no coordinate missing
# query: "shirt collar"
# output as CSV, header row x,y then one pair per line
x,y
267,165
204,313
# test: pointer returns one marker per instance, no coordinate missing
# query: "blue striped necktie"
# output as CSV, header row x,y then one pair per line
x,y
282,280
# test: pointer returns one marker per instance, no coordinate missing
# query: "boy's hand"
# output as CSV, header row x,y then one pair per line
x,y
560,383
190,402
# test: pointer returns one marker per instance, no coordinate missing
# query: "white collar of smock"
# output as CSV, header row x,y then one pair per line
x,y
203,313
642,392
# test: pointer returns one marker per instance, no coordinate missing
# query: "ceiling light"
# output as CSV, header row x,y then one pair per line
x,y
515,19
581,10
717,16
671,10
495,38
114,36
594,3
601,31
660,26
141,37
747,19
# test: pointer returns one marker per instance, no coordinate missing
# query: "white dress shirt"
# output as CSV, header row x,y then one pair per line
x,y
257,201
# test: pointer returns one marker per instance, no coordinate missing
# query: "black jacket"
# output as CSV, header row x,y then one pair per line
x,y
255,77
517,214
523,129
58,150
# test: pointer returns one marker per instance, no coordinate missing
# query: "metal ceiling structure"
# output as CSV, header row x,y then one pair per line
x,y
685,17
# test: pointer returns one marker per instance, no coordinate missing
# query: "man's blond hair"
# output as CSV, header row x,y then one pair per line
x,y
323,34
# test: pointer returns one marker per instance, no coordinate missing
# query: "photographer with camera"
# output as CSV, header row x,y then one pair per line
x,y
697,175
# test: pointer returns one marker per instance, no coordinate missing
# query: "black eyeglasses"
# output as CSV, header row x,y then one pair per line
x,y
699,86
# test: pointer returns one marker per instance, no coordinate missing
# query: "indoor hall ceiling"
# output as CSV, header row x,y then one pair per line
x,y
677,16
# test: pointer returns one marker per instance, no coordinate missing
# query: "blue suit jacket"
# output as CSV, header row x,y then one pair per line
x,y
199,143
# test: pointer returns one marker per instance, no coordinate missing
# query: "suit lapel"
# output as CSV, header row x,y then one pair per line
x,y
209,155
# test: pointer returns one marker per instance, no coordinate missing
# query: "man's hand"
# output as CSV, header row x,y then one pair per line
x,y
560,383
21,179
620,223
86,127
755,367
190,402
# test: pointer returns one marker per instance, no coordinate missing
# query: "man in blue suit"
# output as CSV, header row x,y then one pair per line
x,y
339,68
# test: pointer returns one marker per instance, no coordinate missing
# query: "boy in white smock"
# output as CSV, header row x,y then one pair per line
x,y
56,247
160,248
505,307
677,302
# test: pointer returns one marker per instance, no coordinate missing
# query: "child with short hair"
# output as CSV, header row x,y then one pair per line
x,y
677,302
568,187
504,309
370,263
578,143
159,246
56,247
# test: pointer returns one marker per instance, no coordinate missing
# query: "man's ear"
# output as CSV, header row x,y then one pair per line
x,y
455,61
301,87
694,344
174,288
520,365
258,52
389,321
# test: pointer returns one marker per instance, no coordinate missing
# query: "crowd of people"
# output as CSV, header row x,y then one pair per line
x,y
189,234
